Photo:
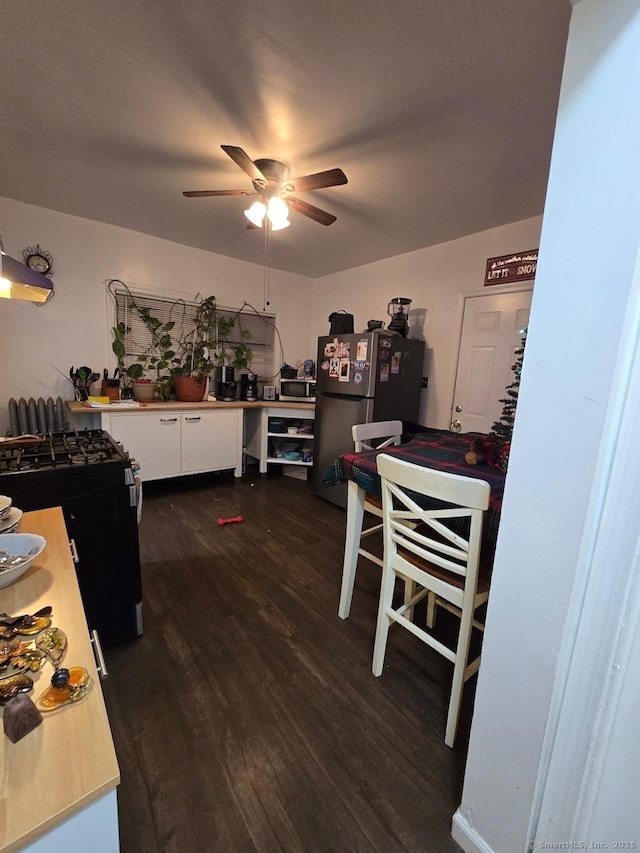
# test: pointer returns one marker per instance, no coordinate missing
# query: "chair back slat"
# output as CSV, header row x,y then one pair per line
x,y
455,549
366,436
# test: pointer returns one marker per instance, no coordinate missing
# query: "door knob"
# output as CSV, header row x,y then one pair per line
x,y
458,409
455,426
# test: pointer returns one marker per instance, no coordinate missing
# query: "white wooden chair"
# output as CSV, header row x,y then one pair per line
x,y
434,558
365,437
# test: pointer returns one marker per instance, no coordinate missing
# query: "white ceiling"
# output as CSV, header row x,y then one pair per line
x,y
440,112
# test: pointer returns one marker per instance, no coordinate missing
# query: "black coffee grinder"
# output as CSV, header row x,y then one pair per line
x,y
249,387
398,310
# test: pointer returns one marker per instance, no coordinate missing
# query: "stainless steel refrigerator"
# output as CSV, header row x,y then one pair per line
x,y
374,376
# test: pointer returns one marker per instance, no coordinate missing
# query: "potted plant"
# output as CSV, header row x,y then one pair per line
x,y
155,358
182,362
128,375
202,348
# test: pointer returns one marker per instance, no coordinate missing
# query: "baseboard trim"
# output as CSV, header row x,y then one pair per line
x,y
466,836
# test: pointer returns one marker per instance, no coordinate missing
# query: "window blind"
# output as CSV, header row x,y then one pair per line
x,y
261,327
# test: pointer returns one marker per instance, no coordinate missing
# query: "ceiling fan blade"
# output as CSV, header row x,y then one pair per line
x,y
242,159
329,178
203,193
312,212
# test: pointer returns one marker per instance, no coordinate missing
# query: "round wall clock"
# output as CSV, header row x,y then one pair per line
x,y
39,260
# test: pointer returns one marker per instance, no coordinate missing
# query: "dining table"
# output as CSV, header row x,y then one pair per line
x,y
441,450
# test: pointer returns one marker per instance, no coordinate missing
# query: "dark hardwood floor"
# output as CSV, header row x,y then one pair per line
x,y
246,718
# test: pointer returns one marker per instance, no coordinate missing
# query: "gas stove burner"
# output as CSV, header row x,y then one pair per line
x,y
58,451
85,458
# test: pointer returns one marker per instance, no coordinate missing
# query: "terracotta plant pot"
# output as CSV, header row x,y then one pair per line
x,y
189,389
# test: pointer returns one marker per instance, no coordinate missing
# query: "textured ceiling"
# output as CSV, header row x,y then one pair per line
x,y
440,112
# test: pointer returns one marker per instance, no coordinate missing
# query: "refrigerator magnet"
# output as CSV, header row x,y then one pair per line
x,y
361,350
384,373
345,369
324,364
357,378
334,367
395,362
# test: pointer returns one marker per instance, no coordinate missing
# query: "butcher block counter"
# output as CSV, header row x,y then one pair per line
x,y
58,783
175,405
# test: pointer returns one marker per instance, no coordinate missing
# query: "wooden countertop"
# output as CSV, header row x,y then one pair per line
x,y
174,405
69,761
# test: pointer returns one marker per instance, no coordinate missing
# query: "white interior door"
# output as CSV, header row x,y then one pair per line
x,y
491,333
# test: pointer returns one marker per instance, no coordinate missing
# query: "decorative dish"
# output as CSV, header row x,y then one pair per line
x,y
12,685
67,685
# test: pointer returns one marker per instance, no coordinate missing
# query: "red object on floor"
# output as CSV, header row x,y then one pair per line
x,y
222,521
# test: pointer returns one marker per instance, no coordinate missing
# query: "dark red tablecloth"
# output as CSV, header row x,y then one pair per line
x,y
437,449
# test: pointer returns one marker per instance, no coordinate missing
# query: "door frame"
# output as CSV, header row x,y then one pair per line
x,y
493,290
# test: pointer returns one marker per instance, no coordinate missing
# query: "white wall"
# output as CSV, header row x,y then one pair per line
x,y
38,344
434,279
589,242
73,329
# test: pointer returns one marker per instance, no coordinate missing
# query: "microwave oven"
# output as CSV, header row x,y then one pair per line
x,y
298,390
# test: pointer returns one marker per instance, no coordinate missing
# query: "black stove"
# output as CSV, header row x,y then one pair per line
x,y
60,450
91,477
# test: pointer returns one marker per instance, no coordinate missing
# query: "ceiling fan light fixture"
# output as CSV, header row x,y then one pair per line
x,y
278,213
256,213
279,224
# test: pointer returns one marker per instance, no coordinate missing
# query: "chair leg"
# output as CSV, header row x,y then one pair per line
x,y
384,622
355,515
409,592
462,655
431,610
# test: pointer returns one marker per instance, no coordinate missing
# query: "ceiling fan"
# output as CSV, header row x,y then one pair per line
x,y
274,188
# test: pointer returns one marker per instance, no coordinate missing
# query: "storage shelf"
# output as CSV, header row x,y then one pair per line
x,y
291,435
280,460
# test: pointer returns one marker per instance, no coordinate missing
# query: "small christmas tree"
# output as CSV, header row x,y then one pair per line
x,y
502,430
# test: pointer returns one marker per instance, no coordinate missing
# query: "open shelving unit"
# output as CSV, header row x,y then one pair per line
x,y
262,442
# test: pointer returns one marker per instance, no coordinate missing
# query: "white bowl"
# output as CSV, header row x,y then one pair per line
x,y
15,544
292,430
11,523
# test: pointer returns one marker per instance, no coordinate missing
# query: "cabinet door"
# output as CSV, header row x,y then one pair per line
x,y
152,439
209,441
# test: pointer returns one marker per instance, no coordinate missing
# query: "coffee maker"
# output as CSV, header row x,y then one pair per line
x,y
249,387
225,384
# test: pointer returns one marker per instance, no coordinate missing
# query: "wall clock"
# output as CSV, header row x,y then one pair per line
x,y
39,260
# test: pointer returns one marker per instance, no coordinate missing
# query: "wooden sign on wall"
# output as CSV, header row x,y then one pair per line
x,y
509,268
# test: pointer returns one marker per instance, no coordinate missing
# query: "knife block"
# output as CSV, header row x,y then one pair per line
x,y
110,388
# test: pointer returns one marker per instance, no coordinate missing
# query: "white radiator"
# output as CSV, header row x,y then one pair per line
x,y
37,416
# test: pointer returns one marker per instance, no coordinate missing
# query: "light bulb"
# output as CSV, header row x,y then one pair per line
x,y
5,285
255,214
278,213
277,209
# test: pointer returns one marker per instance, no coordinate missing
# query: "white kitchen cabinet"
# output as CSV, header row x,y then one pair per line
x,y
209,441
175,441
